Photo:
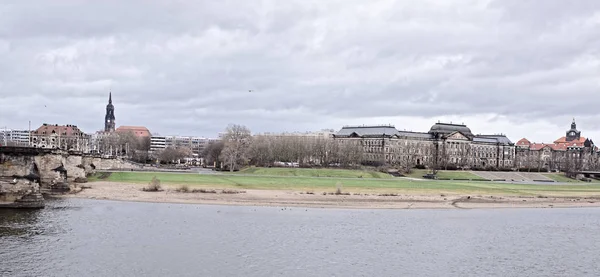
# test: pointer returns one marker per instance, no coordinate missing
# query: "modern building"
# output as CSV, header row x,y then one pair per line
x,y
324,133
566,153
196,144
445,145
14,137
157,143
66,137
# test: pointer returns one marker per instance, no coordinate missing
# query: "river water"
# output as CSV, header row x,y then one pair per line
x,y
75,237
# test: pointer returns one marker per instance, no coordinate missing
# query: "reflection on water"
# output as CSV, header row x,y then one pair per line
x,y
104,238
20,223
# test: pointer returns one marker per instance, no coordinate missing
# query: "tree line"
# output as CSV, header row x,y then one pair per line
x,y
124,144
239,148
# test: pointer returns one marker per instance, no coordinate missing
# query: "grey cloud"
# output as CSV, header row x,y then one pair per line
x,y
186,67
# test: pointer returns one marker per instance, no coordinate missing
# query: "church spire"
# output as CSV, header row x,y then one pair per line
x,y
109,119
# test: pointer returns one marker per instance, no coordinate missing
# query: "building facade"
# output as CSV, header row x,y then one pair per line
x,y
324,133
444,146
195,144
571,152
157,143
13,137
65,137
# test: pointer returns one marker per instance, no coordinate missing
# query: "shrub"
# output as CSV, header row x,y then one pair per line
x,y
183,188
338,188
339,193
227,191
154,185
204,191
451,167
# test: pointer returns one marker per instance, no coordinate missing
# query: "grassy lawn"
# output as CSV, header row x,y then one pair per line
x,y
397,185
418,173
315,172
560,177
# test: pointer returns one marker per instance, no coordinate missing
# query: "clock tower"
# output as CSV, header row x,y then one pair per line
x,y
109,119
573,134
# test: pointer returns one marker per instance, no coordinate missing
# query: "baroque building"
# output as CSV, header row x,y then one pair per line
x,y
109,118
65,137
444,146
571,152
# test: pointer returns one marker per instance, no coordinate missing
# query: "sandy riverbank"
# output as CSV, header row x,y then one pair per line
x,y
285,198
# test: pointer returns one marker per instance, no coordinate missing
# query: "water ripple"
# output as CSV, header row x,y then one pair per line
x,y
104,238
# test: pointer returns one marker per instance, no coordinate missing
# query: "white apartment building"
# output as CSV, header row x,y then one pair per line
x,y
15,137
324,133
196,144
157,143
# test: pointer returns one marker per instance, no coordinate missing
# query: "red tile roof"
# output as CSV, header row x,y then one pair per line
x,y
559,147
555,146
139,131
539,146
61,130
564,140
523,141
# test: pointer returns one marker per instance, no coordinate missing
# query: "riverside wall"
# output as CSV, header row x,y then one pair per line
x,y
26,173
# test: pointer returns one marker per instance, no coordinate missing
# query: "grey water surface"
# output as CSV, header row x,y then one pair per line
x,y
75,237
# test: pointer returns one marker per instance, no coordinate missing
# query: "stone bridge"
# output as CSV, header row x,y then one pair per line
x,y
26,172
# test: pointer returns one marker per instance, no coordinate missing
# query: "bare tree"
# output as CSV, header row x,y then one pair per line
x,y
539,161
350,153
321,151
405,162
109,143
237,139
443,154
569,167
212,152
260,151
172,154
464,155
433,162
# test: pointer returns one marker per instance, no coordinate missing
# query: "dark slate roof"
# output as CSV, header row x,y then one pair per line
x,y
414,135
485,140
448,128
367,131
500,138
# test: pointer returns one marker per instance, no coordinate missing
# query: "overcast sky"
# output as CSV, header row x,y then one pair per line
x,y
523,68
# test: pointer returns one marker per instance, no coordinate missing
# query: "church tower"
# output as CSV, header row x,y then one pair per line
x,y
573,133
109,119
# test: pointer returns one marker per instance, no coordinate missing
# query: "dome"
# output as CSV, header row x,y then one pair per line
x,y
447,128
